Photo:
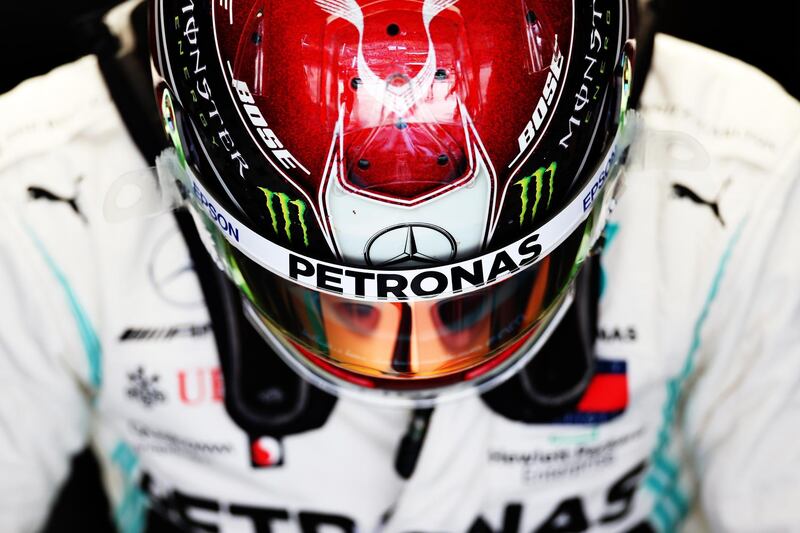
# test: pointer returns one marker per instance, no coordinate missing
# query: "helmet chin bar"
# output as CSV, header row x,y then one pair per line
x,y
417,398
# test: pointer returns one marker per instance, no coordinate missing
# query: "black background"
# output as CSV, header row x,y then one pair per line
x,y
37,36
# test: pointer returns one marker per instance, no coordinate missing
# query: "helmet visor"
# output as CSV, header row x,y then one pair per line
x,y
408,345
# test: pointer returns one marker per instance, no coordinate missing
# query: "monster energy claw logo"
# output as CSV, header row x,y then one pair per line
x,y
286,203
525,184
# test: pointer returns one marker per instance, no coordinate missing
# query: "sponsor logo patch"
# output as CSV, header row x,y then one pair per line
x,y
143,388
146,438
201,386
411,245
133,334
171,272
266,452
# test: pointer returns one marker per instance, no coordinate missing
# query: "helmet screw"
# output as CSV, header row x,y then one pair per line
x,y
441,74
392,30
442,160
363,164
355,83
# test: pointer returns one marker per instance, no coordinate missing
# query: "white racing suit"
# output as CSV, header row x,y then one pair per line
x,y
691,420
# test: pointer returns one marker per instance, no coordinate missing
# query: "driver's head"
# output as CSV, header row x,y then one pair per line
x,y
403,190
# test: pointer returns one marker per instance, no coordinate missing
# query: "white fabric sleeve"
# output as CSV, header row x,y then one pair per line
x,y
740,404
743,412
44,400
62,143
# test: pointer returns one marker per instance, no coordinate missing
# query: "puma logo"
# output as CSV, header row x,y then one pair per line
x,y
40,193
681,191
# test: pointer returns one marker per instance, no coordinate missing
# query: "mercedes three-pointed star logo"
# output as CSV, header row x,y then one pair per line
x,y
171,272
413,244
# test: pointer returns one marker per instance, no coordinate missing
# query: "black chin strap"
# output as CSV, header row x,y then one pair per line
x,y
648,24
262,394
128,79
557,377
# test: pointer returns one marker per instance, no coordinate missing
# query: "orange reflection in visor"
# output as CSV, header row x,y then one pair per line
x,y
421,339
427,339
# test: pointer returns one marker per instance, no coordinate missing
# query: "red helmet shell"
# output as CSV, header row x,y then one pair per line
x,y
332,119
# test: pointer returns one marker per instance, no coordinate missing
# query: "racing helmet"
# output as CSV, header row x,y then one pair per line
x,y
403,191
